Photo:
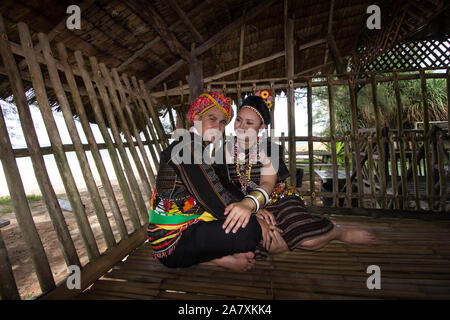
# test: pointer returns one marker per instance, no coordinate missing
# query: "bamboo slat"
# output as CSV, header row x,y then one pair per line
x,y
107,108
94,147
12,175
137,101
394,174
371,171
123,124
55,140
131,121
348,181
73,132
153,114
108,140
442,174
15,185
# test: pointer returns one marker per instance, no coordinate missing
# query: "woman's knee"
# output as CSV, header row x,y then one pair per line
x,y
251,235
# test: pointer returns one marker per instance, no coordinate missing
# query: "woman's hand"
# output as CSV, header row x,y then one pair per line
x,y
267,216
268,233
238,215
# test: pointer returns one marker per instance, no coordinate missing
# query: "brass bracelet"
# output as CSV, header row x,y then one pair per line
x,y
255,201
259,197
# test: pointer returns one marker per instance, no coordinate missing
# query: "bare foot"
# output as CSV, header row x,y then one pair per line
x,y
358,236
237,262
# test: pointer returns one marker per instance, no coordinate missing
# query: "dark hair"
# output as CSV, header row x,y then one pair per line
x,y
259,104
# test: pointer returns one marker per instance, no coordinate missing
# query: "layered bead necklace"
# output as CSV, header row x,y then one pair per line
x,y
245,172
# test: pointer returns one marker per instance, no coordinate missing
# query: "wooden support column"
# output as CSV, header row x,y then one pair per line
x,y
289,47
335,55
333,140
195,78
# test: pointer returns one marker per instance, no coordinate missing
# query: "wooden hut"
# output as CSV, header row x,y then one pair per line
x,y
131,62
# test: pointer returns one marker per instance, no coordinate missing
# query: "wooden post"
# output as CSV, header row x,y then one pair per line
x,y
81,112
394,173
73,132
169,109
380,148
401,142
426,142
355,141
348,181
414,170
16,190
8,287
105,133
333,140
272,111
371,170
289,47
195,78
310,143
442,174
55,140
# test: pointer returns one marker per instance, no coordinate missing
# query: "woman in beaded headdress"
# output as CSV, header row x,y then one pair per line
x,y
258,169
190,204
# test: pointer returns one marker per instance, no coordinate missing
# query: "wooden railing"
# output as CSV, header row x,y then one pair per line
x,y
119,99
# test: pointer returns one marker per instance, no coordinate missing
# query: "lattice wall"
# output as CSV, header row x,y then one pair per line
x,y
411,55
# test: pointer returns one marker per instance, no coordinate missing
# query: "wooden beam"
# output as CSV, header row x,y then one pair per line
x,y
335,54
241,51
212,41
195,78
138,53
196,35
312,44
150,16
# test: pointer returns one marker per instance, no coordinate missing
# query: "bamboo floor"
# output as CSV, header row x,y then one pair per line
x,y
413,257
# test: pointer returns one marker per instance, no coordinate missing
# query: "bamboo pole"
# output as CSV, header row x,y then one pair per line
x,y
23,215
283,145
348,181
355,140
105,134
414,170
134,131
95,150
150,126
73,132
55,140
272,110
136,99
107,108
404,182
156,121
333,139
381,151
169,109
310,145
17,192
394,173
426,141
8,287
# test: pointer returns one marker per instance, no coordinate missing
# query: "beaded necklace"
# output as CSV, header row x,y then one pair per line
x,y
244,173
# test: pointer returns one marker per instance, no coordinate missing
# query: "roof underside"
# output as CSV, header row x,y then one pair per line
x,y
146,42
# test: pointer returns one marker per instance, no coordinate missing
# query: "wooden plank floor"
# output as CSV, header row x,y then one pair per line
x,y
413,256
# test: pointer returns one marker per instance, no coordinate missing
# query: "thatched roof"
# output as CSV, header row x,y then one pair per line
x,y
145,38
